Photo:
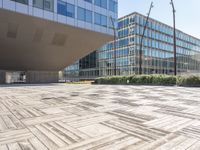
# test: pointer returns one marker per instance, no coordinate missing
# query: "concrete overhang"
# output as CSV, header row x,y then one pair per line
x,y
31,43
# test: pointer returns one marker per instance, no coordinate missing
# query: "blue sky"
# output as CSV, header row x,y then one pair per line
x,y
187,12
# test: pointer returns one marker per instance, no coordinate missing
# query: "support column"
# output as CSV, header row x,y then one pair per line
x,y
41,77
2,77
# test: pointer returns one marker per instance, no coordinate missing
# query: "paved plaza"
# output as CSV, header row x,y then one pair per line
x,y
99,117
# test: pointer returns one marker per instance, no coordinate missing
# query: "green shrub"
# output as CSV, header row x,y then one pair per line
x,y
141,79
111,80
188,81
163,80
170,80
155,79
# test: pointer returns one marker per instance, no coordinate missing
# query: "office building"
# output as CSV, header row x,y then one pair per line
x,y
157,49
41,37
84,69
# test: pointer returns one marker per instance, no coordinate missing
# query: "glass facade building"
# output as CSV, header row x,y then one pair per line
x,y
157,49
86,68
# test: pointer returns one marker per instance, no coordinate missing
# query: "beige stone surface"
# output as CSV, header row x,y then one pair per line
x,y
99,117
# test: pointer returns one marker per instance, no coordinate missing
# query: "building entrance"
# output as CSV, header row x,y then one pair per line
x,y
15,77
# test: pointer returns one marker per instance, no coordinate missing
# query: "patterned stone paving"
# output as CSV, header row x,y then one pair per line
x,y
99,117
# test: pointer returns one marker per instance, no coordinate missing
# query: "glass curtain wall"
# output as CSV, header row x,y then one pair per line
x,y
157,49
21,1
44,4
66,9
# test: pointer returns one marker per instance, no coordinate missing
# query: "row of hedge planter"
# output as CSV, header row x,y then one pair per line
x,y
166,80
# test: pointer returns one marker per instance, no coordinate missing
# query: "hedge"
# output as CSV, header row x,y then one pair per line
x,y
193,81
156,79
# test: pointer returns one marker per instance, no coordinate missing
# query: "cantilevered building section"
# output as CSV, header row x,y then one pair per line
x,y
157,51
40,37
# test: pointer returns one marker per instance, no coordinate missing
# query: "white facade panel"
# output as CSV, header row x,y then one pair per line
x,y
88,26
38,12
55,17
30,10
104,12
1,3
110,31
30,2
62,19
104,30
88,6
10,5
21,8
70,1
97,28
81,4
97,9
48,15
71,21
81,24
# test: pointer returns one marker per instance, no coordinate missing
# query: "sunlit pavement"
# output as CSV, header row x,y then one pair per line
x,y
60,116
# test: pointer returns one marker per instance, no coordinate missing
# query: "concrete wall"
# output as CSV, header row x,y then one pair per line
x,y
2,77
41,77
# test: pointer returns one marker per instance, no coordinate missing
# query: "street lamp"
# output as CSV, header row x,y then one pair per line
x,y
115,45
141,42
174,22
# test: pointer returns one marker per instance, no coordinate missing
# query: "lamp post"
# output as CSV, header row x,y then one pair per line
x,y
115,45
174,36
141,42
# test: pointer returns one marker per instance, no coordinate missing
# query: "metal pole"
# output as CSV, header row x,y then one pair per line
x,y
141,42
174,21
115,46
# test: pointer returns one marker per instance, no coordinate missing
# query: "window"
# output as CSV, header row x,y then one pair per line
x,y
100,20
89,1
113,6
66,9
103,20
97,2
49,5
70,10
81,14
97,19
44,4
101,3
21,1
84,15
88,16
38,3
104,4
62,9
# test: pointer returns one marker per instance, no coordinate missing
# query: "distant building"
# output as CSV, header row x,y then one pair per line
x,y
84,69
41,37
157,49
